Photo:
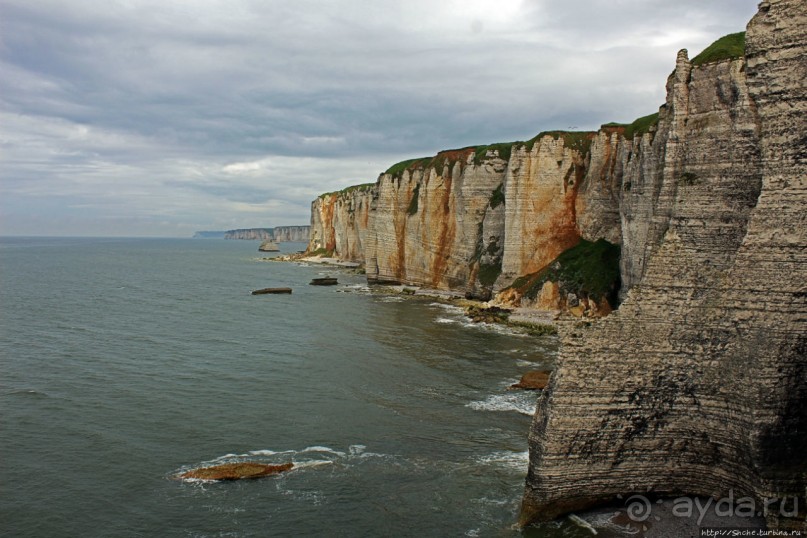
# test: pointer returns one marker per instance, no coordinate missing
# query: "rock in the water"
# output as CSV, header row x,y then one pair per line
x,y
324,281
533,380
237,471
490,314
264,291
269,246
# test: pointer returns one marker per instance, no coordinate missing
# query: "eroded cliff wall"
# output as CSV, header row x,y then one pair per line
x,y
698,383
339,223
472,220
434,223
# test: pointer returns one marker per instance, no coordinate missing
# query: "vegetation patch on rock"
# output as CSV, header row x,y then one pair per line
x,y
727,47
413,203
534,329
579,141
446,158
323,252
641,125
587,270
497,196
397,169
488,314
362,188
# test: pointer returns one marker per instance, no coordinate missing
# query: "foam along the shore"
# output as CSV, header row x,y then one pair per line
x,y
329,261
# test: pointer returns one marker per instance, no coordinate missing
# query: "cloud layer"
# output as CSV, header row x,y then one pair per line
x,y
137,117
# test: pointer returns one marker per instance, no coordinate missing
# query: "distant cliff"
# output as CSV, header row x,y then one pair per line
x,y
261,234
209,235
279,234
698,383
296,234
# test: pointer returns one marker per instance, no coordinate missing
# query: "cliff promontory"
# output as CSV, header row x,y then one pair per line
x,y
693,218
279,234
698,383
473,219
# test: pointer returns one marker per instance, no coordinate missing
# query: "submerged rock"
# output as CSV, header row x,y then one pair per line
x,y
264,291
533,380
324,281
237,471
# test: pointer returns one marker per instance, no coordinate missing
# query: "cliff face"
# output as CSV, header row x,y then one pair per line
x,y
698,383
438,224
339,223
291,234
472,220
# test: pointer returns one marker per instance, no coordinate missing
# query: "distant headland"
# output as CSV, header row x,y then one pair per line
x,y
280,234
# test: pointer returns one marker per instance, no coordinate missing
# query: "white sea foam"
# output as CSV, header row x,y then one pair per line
x,y
445,320
494,502
529,364
322,449
505,458
520,402
448,307
315,463
262,452
356,450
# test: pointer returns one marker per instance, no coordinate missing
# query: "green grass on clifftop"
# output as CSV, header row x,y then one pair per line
x,y
587,269
502,149
576,140
729,46
641,125
397,169
346,190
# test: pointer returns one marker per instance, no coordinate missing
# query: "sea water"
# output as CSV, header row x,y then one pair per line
x,y
125,362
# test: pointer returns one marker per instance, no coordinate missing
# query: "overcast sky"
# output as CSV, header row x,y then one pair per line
x,y
160,118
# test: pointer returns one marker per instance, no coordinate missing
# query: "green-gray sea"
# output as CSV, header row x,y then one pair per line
x,y
127,361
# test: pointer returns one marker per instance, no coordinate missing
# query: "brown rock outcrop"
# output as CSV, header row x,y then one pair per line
x,y
272,291
237,471
534,380
698,383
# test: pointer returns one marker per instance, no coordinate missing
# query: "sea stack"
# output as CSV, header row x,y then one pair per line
x,y
269,246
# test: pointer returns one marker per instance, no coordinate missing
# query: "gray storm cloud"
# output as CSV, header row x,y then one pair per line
x,y
159,118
